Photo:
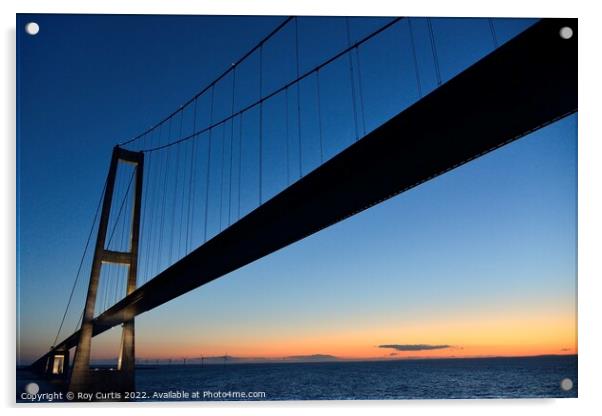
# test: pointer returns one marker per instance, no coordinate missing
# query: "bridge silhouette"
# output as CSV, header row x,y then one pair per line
x,y
229,178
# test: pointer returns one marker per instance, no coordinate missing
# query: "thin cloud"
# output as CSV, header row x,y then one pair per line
x,y
414,347
312,357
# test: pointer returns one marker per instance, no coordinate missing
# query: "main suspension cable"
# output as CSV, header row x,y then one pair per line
x,y
81,263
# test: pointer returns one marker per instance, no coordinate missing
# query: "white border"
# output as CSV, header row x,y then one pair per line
x,y
590,201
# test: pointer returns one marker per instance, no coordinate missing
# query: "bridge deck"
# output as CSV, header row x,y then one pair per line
x,y
527,83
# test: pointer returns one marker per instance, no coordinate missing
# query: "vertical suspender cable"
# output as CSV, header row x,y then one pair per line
x,y
352,78
361,92
319,116
260,124
208,171
416,70
143,220
230,172
175,193
191,188
182,206
118,218
164,195
152,197
155,188
240,160
288,169
231,144
493,34
434,50
124,231
298,97
103,301
221,182
145,212
122,244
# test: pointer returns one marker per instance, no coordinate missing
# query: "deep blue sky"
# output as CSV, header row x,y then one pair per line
x,y
498,232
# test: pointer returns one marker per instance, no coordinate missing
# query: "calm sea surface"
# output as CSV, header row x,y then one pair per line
x,y
373,380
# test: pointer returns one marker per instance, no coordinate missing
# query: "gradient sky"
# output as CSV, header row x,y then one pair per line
x,y
481,260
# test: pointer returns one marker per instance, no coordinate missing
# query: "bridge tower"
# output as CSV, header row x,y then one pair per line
x,y
82,379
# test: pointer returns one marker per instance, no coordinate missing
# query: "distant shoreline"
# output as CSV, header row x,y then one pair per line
x,y
260,360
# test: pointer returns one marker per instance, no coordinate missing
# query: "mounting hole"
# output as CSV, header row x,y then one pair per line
x,y
32,28
566,32
32,388
566,384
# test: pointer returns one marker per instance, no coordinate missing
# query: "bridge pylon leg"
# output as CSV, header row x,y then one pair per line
x,y
82,378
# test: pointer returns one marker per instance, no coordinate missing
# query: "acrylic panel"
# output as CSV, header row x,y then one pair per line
x,y
216,208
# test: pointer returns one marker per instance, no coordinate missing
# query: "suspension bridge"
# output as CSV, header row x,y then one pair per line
x,y
262,157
